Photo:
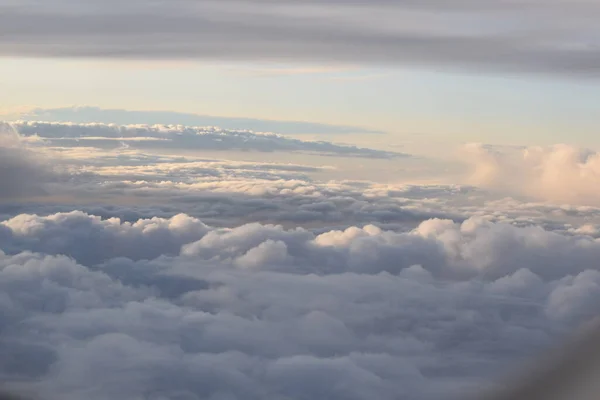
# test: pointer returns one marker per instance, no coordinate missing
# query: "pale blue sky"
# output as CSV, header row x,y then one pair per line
x,y
413,105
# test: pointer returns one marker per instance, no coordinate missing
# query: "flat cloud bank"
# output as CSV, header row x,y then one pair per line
x,y
179,137
82,114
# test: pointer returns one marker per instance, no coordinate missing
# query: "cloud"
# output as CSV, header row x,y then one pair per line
x,y
22,174
129,117
178,137
231,197
180,277
258,311
560,173
474,248
557,37
62,233
130,184
199,278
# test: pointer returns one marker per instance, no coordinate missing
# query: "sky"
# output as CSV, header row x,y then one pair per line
x,y
294,200
507,72
407,103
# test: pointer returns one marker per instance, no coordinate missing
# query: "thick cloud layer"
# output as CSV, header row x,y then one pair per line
x,y
178,137
175,309
556,36
474,248
561,173
198,278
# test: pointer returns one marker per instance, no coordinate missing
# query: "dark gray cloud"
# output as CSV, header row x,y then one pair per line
x,y
556,36
127,117
22,173
179,137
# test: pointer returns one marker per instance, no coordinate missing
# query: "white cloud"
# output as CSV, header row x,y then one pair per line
x,y
333,289
91,240
560,173
172,308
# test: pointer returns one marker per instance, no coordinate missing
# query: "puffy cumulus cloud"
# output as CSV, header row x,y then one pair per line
x,y
22,174
560,173
91,239
474,248
556,36
178,137
173,308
